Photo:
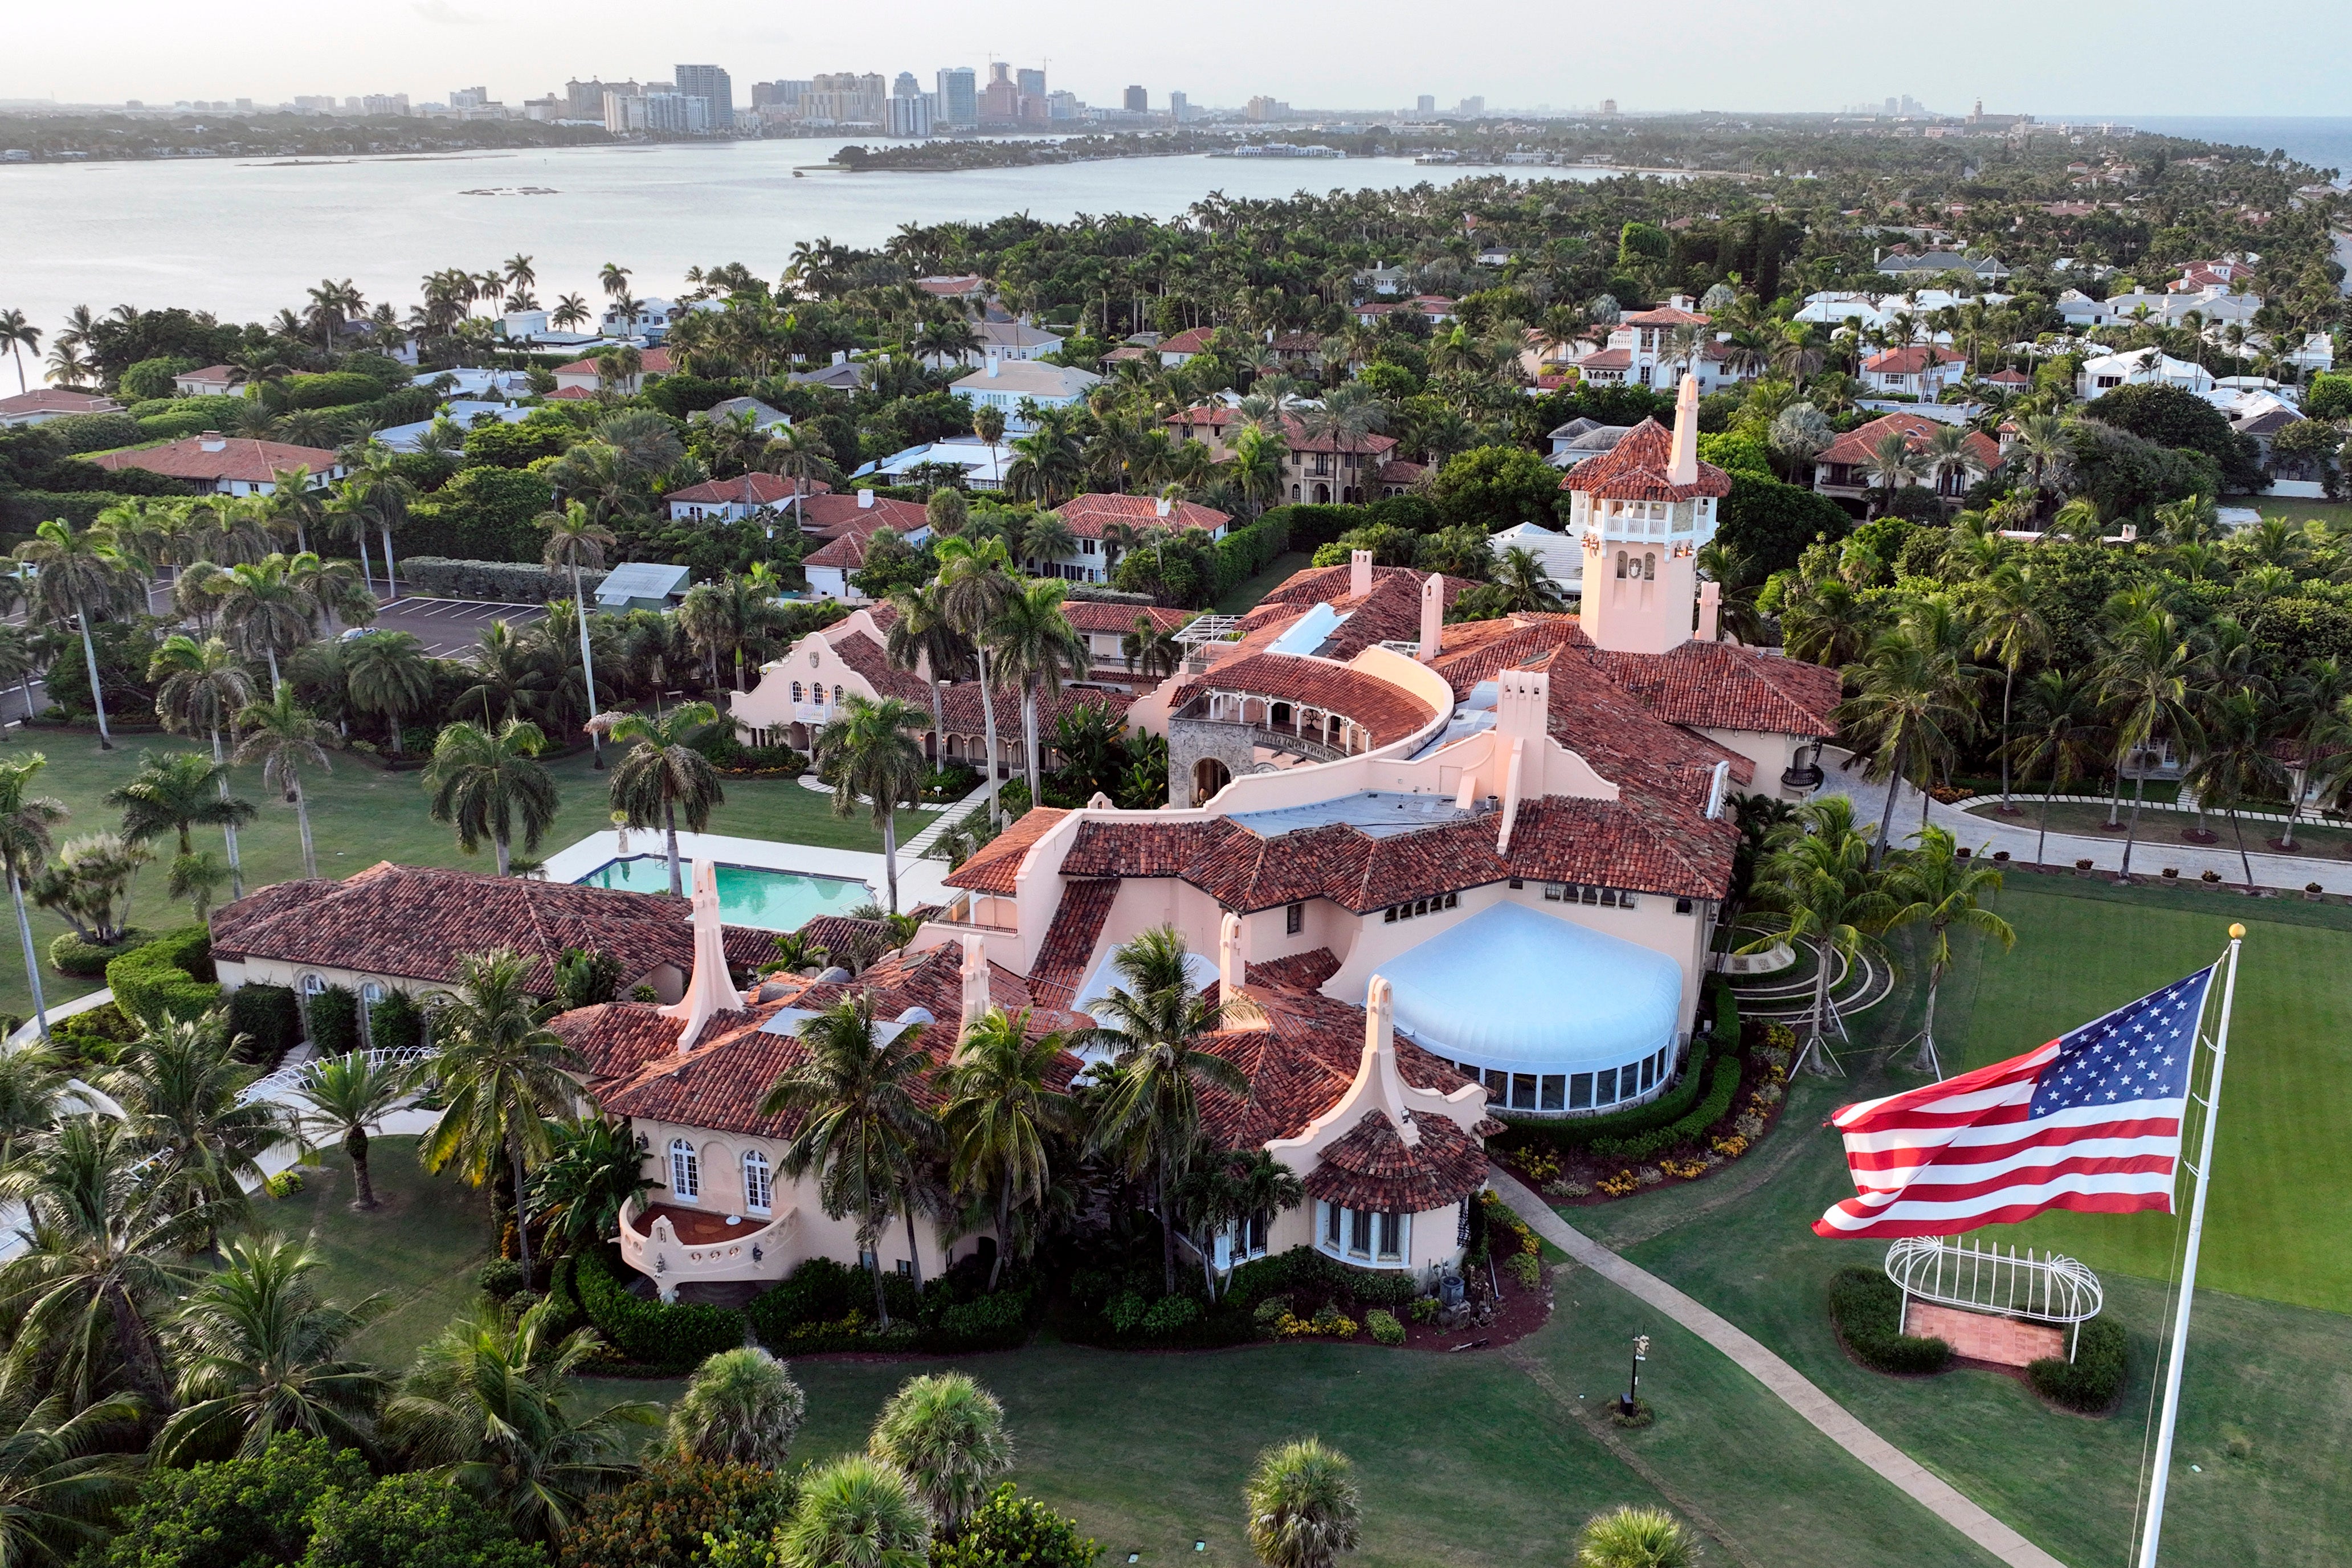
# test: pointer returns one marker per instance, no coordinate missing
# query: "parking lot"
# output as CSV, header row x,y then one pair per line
x,y
451,626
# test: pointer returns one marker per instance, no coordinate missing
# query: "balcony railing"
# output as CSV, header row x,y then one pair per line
x,y
655,1249
1273,737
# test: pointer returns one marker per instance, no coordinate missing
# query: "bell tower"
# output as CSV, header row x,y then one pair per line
x,y
1645,508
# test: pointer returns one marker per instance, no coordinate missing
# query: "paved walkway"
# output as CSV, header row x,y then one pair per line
x,y
2160,842
1792,1387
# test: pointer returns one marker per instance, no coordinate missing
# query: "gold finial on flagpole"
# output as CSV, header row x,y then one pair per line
x,y
2237,931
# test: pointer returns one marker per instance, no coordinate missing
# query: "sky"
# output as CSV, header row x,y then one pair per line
x,y
2095,56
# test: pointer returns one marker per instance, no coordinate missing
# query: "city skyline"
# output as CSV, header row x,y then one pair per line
x,y
1725,57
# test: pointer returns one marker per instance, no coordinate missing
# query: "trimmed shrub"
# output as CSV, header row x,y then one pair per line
x,y
1305,1272
396,1022
1577,1133
413,1520
664,1336
95,432
1170,1315
269,1016
2094,1379
1012,1528
502,581
1726,1029
171,977
1386,1329
500,1277
1866,1306
661,1519
334,1021
87,960
331,389
1722,1090
237,1511
151,378
995,1323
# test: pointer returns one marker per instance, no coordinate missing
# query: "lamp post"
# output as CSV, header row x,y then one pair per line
x,y
1632,1402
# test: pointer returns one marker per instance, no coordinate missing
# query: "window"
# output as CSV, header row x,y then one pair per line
x,y
796,691
1681,906
1389,1232
1360,1232
1294,919
1579,1091
840,695
685,1170
1332,1213
1517,884
1523,1091
759,1190
1498,1086
1604,1091
314,985
1649,1071
1251,1234
1555,891
1555,1091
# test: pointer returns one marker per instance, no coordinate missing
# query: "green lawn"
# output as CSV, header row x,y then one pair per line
x,y
2335,514
1247,593
359,815
2160,828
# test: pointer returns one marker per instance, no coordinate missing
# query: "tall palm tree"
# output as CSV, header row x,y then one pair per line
x,y
1156,1025
105,1249
1304,1508
1931,887
975,581
740,1407
1001,1115
2064,732
502,1072
662,776
1819,873
924,637
389,675
2237,760
62,1475
283,737
2145,676
1035,648
1147,647
2311,712
856,1512
18,334
33,1083
173,792
593,1171
482,782
181,1091
264,615
946,1435
858,1124
1635,1538
260,1352
25,825
347,1096
2011,630
577,541
492,1405
870,751
81,574
1912,702
1895,464
201,687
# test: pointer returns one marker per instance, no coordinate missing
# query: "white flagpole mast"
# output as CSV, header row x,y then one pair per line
x,y
2203,1171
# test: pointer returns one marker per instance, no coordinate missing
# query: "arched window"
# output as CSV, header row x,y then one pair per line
x,y
314,985
685,1170
796,691
1650,565
759,1190
840,695
1620,563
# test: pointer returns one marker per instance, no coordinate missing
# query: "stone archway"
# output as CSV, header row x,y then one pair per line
x,y
1210,775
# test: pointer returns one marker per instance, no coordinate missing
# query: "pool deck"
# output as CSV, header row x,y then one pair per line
x,y
919,881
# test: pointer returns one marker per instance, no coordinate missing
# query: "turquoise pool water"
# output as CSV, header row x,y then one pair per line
x,y
778,900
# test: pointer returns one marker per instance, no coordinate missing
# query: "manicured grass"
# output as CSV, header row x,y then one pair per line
x,y
359,815
2335,514
2160,828
1247,593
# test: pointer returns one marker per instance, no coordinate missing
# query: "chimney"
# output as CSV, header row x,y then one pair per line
x,y
841,356
1162,507
866,500
212,441
1359,574
1685,468
1433,616
975,981
710,990
1377,1071
1711,609
992,362
1232,954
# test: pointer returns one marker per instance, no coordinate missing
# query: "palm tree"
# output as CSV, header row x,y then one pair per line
x,y
2012,630
347,1096
1820,874
260,1353
389,675
33,1081
1304,1508
2145,675
662,775
61,1475
1635,1538
576,541
1527,588
858,1124
183,1095
922,636
105,1247
174,791
1156,653
999,1116
740,1407
285,739
592,1173
1035,646
975,581
201,689
856,1512
2238,761
946,1435
26,824
870,750
21,659
1894,464
481,782
2064,730
571,310
17,334
80,575
2311,714
1934,887
492,1406
264,615
502,1072
1155,1026
1912,702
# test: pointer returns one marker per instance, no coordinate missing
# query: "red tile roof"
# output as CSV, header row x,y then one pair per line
x,y
1190,341
1107,616
833,514
1911,361
1721,685
848,548
1853,447
1388,712
995,864
955,287
1299,1067
233,457
1070,939
754,489
56,400
1215,416
1086,514
414,922
650,362
1639,468
1607,359
1664,316
1372,1169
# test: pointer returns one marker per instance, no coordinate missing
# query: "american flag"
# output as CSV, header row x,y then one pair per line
x,y
2091,1121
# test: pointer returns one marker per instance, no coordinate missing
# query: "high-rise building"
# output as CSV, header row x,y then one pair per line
x,y
999,101
1608,106
1894,106
1425,104
778,94
1471,108
710,84
1138,101
910,113
385,103
475,96
1063,104
1030,83
1180,107
959,96
1262,109
847,98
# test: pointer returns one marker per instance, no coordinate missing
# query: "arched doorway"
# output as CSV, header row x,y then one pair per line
x,y
1322,495
1209,776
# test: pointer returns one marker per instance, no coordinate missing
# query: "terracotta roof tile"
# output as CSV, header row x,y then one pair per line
x,y
1638,469
233,457
995,864
1297,972
1388,712
1721,685
1070,939
754,489
1855,448
1086,514
1372,1168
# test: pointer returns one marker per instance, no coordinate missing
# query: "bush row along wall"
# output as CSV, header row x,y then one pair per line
x,y
502,581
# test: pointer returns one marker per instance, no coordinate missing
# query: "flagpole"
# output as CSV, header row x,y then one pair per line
x,y
2203,1171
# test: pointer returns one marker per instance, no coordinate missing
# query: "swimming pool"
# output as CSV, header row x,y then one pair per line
x,y
748,896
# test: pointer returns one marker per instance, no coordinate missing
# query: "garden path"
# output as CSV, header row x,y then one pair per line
x,y
1791,1387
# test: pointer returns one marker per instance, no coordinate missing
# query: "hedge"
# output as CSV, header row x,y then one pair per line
x,y
1725,1027
171,977
87,960
331,389
1723,1088
269,1016
94,432
396,1022
504,581
663,1336
1304,1270
1245,552
1671,1106
1866,1307
829,1306
2094,1379
334,1021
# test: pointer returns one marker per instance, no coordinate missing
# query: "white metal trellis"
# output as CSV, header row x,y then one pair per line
x,y
282,1083
2017,1282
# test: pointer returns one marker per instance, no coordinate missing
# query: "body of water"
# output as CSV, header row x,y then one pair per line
x,y
748,896
243,239
2322,140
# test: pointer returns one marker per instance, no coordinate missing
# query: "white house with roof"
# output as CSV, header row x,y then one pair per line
x,y
581,376
1096,521
749,495
43,403
983,466
228,464
1649,348
1006,384
2139,367
1922,371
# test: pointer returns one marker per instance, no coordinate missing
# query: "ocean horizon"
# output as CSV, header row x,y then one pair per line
x,y
2324,140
